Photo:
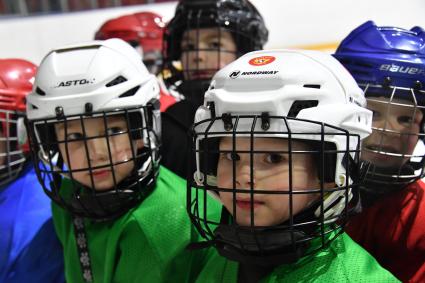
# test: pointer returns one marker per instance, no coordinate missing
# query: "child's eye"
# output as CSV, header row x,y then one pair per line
x,y
405,120
187,46
115,130
74,137
215,45
274,158
232,156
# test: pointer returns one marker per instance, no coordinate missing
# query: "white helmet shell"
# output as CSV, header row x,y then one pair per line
x,y
95,79
97,72
272,82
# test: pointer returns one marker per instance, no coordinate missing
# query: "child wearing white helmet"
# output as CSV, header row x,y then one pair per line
x,y
277,142
94,127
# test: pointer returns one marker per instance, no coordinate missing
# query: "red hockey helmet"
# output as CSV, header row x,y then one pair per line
x,y
16,81
142,30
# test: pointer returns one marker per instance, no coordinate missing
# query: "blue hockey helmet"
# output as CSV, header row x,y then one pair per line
x,y
389,64
385,56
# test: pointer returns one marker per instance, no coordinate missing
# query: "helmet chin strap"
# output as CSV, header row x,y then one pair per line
x,y
264,246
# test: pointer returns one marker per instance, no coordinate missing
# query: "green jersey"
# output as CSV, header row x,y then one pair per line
x,y
147,244
343,261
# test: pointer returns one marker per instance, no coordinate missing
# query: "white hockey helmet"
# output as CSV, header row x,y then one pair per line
x,y
295,95
88,80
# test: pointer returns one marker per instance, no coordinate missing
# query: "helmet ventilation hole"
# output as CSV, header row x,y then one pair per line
x,y
130,92
39,91
312,86
299,105
116,81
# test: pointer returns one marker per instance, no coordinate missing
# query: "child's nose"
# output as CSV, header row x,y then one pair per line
x,y
392,126
245,177
198,56
98,149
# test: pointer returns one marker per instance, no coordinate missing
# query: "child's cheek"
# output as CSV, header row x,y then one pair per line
x,y
122,154
273,178
120,149
411,143
78,158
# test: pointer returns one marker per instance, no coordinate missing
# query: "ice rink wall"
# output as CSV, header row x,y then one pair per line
x,y
314,24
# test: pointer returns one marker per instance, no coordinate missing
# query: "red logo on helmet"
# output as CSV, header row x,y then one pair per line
x,y
261,61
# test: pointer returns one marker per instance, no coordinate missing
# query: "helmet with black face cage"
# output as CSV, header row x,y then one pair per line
x,y
16,81
389,64
239,17
99,81
297,96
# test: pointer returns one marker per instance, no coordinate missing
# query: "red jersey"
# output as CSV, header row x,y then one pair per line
x,y
166,100
165,97
393,231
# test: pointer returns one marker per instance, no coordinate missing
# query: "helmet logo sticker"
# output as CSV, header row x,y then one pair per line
x,y
262,60
234,74
400,69
74,83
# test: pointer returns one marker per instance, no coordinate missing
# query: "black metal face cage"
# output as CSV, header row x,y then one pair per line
x,y
12,154
304,233
58,179
379,180
246,27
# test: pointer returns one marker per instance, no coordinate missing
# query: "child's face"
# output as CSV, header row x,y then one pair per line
x,y
402,126
271,173
200,63
97,150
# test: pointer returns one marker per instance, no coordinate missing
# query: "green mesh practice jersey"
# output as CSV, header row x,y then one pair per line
x,y
147,244
343,261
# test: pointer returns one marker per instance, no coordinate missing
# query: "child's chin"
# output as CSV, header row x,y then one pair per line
x,y
97,189
101,186
258,221
382,160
